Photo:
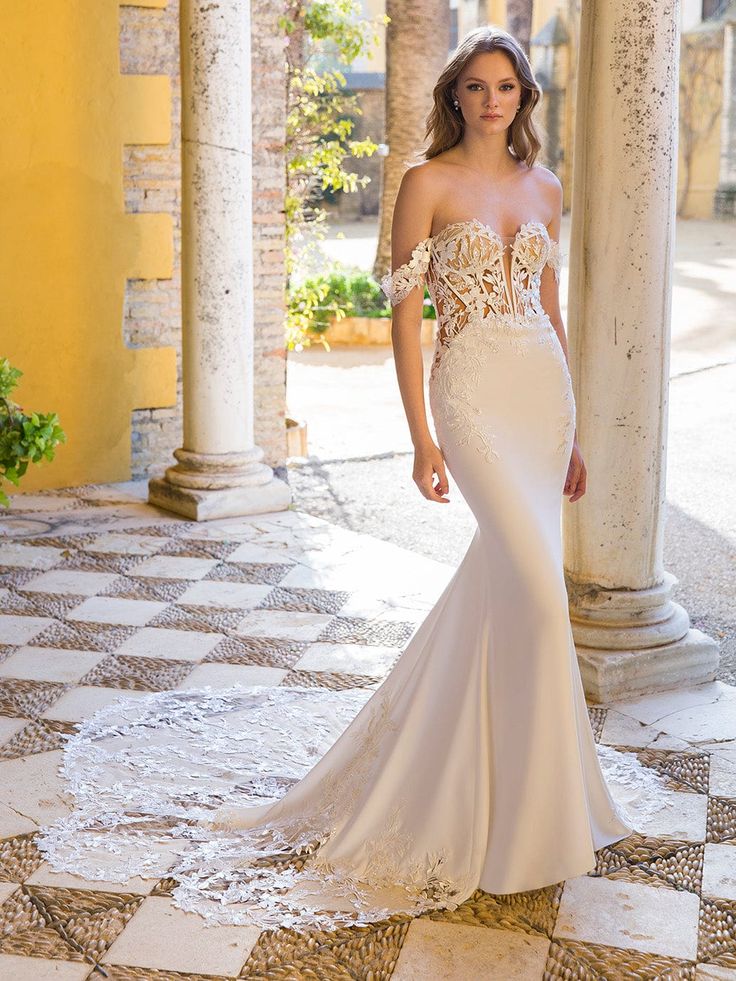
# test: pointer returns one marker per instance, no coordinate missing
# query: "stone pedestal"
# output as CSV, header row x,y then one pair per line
x,y
219,472
630,635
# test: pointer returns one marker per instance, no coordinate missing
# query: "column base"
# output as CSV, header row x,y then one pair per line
x,y
610,675
228,502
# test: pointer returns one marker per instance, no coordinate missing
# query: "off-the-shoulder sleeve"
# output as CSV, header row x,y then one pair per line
x,y
398,284
554,259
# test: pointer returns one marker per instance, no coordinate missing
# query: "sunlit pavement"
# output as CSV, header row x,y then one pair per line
x,y
105,597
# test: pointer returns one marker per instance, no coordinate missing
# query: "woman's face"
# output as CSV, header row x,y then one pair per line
x,y
488,92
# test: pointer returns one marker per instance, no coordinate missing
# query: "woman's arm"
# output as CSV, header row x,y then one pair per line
x,y
412,224
549,285
577,476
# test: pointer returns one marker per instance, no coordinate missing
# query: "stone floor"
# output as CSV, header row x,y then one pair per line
x,y
102,596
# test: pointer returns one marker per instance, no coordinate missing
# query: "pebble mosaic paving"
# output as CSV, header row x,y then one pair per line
x,y
102,595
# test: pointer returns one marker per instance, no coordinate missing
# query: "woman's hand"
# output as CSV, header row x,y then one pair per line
x,y
428,460
577,475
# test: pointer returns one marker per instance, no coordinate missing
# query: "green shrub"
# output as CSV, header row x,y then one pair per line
x,y
24,438
318,300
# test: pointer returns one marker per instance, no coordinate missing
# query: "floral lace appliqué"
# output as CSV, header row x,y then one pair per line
x,y
402,281
149,777
478,307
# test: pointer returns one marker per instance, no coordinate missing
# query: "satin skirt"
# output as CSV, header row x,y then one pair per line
x,y
477,750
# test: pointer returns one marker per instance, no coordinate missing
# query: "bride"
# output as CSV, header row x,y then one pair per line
x,y
473,765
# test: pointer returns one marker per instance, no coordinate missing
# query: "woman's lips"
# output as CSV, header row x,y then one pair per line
x,y
495,115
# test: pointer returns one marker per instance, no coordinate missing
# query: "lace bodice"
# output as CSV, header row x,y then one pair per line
x,y
466,270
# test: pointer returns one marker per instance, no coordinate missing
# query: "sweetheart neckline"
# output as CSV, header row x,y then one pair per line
x,y
489,228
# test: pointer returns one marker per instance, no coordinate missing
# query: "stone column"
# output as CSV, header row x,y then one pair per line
x,y
219,471
630,635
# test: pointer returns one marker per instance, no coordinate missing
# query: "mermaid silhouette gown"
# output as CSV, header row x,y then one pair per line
x,y
473,765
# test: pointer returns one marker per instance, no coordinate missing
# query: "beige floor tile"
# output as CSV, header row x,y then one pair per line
x,y
21,630
292,519
13,823
411,580
174,567
49,664
7,889
703,723
221,530
162,936
435,951
14,968
45,876
655,920
721,747
9,727
401,614
653,708
30,556
42,502
72,581
623,730
177,645
714,972
81,703
365,604
226,675
121,544
108,609
284,623
684,816
665,741
232,595
348,658
303,576
719,871
254,552
722,775
120,490
32,786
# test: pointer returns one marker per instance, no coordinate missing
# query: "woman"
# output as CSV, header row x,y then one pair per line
x,y
473,765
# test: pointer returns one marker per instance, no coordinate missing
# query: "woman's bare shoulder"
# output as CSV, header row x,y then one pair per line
x,y
547,181
428,178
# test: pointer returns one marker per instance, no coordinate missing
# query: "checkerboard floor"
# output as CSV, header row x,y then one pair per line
x,y
100,593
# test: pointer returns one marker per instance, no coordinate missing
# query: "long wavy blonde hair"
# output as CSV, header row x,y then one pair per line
x,y
445,125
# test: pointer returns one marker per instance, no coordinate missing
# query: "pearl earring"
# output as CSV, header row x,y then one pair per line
x,y
456,104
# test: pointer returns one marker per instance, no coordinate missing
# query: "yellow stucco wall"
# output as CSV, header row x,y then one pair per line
x,y
704,181
700,198
67,246
544,10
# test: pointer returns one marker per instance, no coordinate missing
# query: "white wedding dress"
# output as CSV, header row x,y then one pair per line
x,y
474,764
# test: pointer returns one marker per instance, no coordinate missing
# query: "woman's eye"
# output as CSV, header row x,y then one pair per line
x,y
507,86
